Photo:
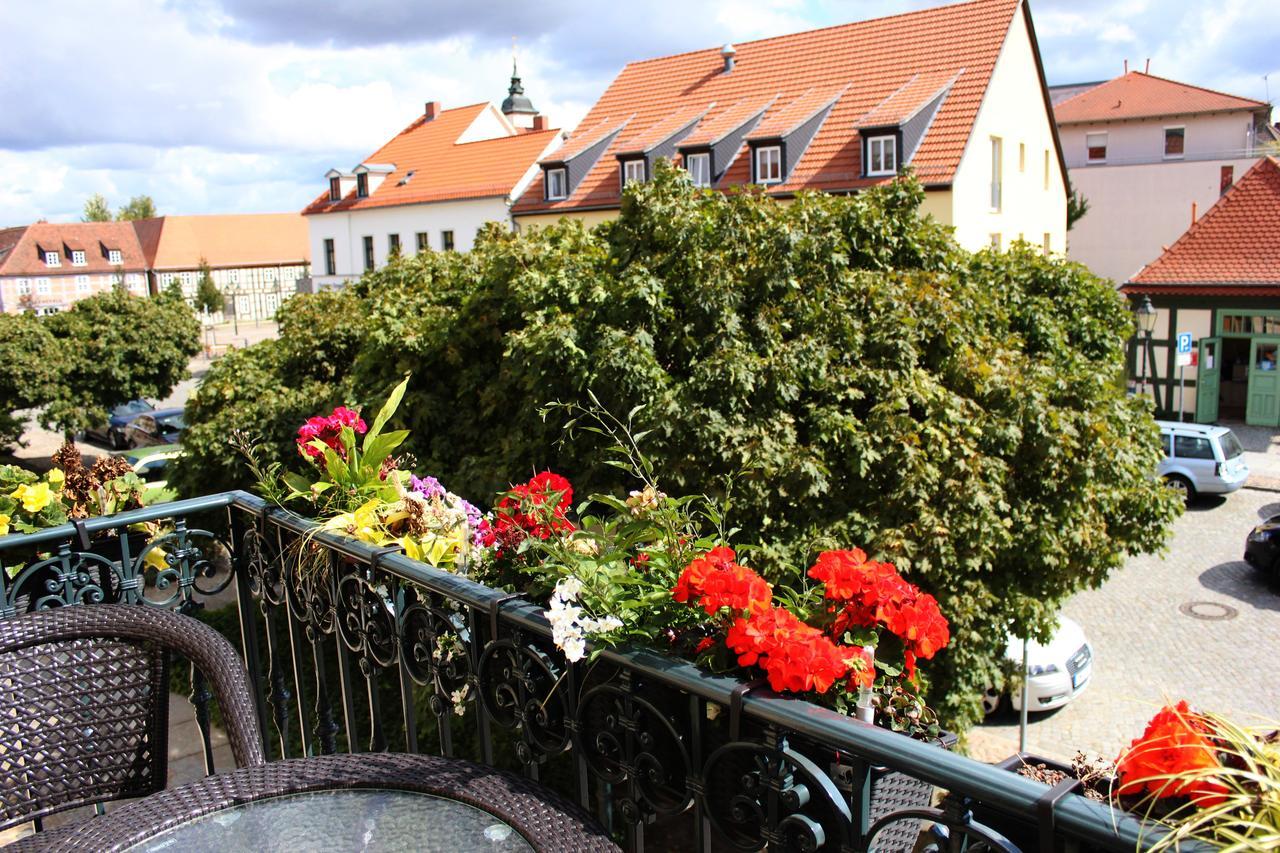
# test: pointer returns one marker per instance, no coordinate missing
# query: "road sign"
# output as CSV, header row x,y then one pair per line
x,y
1182,359
1184,342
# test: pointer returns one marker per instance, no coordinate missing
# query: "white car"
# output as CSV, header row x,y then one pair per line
x,y
1056,673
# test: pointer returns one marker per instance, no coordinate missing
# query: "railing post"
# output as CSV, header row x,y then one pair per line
x,y
244,606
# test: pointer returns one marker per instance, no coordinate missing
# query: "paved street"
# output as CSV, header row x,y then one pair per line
x,y
1148,650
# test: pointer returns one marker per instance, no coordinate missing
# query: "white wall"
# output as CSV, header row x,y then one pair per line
x,y
347,230
1223,135
1135,211
1014,110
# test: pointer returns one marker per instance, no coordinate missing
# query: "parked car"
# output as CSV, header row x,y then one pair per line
x,y
1262,548
1056,673
1201,459
152,465
112,432
162,426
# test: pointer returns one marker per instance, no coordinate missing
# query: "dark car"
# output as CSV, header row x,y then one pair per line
x,y
112,432
1262,548
162,426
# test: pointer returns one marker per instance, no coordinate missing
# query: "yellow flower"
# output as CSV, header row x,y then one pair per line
x,y
4,524
56,478
34,498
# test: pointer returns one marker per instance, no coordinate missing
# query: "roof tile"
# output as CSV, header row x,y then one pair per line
x,y
1139,95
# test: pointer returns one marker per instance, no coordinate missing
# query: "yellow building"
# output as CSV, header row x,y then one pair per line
x,y
955,93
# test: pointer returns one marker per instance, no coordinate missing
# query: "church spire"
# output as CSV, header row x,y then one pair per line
x,y
517,105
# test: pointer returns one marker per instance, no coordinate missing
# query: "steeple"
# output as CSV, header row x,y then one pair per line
x,y
517,106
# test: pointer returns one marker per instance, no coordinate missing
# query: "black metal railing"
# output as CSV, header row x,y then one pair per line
x,y
354,648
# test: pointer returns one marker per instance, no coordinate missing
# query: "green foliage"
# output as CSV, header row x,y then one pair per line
x,y
139,207
33,363
208,298
1077,206
118,347
96,209
872,384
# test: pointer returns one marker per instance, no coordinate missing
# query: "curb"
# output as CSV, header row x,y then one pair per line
x,y
1263,484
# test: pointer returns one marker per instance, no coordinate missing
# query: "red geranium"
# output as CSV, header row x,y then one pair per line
x,y
536,508
715,581
795,656
329,430
1175,744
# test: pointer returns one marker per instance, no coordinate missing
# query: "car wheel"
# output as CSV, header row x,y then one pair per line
x,y
117,440
1182,485
993,700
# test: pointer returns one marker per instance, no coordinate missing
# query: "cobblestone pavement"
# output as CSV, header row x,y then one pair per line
x,y
1146,650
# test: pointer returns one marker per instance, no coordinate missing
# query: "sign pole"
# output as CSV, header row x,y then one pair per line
x,y
1182,360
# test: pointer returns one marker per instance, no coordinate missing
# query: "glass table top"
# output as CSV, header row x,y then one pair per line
x,y
343,820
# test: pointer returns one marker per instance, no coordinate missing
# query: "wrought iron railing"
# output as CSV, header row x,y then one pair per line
x,y
352,648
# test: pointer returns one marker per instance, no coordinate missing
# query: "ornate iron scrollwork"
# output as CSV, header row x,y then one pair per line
x,y
435,645
520,689
366,622
189,570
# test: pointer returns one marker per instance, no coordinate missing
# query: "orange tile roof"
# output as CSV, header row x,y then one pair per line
x,y
907,101
874,58
788,117
643,140
442,168
244,240
25,244
582,140
719,124
1236,242
1138,95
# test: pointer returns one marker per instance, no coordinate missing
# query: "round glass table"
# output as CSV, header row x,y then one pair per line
x,y
343,820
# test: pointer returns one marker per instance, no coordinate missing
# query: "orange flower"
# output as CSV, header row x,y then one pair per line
x,y
1174,744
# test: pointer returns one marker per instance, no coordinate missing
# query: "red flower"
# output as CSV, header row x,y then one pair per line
x,y
704,644
795,656
1174,744
715,581
536,508
329,430
689,584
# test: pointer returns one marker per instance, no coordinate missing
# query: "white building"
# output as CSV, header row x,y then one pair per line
x,y
432,187
1150,155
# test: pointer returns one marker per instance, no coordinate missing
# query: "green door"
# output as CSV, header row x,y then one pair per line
x,y
1208,377
1263,408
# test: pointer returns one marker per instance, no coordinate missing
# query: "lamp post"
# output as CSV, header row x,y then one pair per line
x,y
1146,316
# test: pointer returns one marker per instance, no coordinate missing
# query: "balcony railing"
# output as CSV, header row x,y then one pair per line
x,y
353,648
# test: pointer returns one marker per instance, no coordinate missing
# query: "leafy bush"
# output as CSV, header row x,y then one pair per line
x,y
861,378
33,362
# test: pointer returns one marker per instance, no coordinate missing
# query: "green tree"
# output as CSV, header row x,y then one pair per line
x,y
1077,206
208,298
139,207
96,209
34,365
118,347
863,380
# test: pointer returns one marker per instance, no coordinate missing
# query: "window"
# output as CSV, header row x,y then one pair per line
x,y
769,165
1022,157
699,168
52,259
632,170
114,257
82,284
424,242
997,172
557,184
44,286
368,253
24,287
446,240
189,280
134,282
882,155
1192,447
1048,246
1226,176
393,245
233,276
1046,168
362,185
330,262
1096,144
1174,140
77,258
335,189
995,242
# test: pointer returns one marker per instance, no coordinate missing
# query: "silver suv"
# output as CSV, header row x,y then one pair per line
x,y
1201,459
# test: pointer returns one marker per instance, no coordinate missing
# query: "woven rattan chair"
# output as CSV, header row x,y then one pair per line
x,y
84,704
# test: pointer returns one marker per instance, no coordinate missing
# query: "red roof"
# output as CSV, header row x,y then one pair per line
x,y
788,117
720,123
21,248
643,141
1236,243
907,101
1137,95
442,168
873,59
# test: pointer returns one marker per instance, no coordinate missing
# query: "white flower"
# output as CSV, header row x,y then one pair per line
x,y
575,648
567,589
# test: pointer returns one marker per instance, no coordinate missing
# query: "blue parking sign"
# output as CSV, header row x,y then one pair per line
x,y
1184,342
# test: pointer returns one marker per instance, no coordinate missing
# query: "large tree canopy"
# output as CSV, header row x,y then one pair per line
x,y
862,380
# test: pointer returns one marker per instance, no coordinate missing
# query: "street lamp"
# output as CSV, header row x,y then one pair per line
x,y
1146,315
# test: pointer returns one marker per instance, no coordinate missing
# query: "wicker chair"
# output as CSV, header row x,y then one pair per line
x,y
84,704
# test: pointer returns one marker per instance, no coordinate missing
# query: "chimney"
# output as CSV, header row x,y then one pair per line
x,y
539,122
1126,66
1147,70
1193,213
727,53
432,110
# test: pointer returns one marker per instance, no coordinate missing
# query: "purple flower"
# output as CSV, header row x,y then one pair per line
x,y
428,488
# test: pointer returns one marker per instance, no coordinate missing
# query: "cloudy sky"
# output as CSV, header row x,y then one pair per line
x,y
242,105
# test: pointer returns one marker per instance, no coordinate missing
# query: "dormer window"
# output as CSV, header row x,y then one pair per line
x,y
557,184
52,259
335,189
632,170
362,185
77,258
699,168
114,258
769,164
882,155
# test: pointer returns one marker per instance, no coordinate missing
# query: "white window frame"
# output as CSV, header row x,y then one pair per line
x,y
24,286
1088,149
44,286
52,259
997,174
78,258
633,170
114,257
557,189
876,151
1165,142
82,284
699,168
768,168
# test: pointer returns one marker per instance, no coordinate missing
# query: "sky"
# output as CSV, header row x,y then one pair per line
x,y
239,106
